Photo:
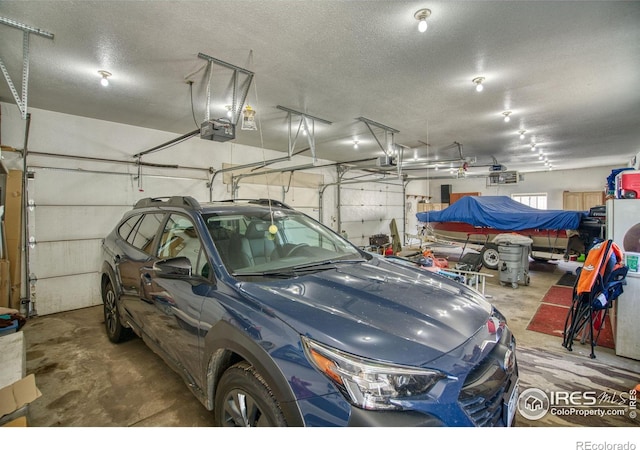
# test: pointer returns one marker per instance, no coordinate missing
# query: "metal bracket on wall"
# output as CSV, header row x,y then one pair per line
x,y
27,30
307,125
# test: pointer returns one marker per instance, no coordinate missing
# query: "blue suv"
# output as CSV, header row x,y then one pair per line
x,y
273,319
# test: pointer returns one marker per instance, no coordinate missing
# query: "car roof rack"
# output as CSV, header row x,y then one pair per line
x,y
258,201
185,201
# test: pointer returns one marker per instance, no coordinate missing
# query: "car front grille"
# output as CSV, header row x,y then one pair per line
x,y
485,410
483,394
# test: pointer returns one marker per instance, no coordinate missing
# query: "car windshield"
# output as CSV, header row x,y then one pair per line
x,y
254,242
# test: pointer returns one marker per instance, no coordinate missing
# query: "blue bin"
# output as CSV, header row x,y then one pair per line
x,y
10,329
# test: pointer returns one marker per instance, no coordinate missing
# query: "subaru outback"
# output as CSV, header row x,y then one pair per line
x,y
273,319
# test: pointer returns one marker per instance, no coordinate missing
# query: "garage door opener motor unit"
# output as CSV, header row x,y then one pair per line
x,y
217,130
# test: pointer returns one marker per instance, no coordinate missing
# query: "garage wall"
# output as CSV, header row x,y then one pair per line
x,y
554,183
76,202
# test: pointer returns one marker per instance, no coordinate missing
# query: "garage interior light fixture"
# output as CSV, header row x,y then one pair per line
x,y
506,115
105,77
522,132
421,16
533,147
478,82
355,144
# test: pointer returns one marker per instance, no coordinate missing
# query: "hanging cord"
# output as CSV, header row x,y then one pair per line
x,y
272,229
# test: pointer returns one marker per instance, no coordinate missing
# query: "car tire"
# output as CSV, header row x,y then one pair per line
x,y
490,256
115,331
243,399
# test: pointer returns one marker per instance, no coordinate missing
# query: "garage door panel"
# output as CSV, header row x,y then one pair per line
x,y
94,188
75,222
67,293
63,258
73,188
369,209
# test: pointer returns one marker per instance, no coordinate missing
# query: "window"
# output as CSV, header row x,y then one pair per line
x,y
538,201
141,232
179,238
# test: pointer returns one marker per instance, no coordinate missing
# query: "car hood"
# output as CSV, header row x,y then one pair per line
x,y
377,309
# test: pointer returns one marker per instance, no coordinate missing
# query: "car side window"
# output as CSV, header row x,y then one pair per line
x,y
143,236
128,226
179,238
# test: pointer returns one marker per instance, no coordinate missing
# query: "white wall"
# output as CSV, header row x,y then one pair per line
x,y
77,202
553,183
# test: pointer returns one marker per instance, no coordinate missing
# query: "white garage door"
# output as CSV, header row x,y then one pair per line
x,y
367,209
71,211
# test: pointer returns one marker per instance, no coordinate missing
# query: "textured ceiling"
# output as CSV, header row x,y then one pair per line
x,y
568,70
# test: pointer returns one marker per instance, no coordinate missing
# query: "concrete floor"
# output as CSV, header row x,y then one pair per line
x,y
88,382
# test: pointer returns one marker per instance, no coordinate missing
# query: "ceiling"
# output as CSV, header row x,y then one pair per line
x,y
568,70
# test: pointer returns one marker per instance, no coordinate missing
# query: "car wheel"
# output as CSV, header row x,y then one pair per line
x,y
243,399
115,331
490,256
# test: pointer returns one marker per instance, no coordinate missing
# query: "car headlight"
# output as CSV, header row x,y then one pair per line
x,y
370,384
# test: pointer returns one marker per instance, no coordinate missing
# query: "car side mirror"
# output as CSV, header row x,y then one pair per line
x,y
179,267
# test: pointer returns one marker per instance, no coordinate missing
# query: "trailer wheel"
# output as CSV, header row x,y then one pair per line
x,y
490,256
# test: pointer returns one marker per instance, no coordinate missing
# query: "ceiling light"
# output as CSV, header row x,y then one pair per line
x,y
229,113
355,144
533,147
478,82
105,77
421,16
540,156
522,132
415,155
436,168
506,115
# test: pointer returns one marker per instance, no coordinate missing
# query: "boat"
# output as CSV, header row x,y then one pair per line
x,y
479,219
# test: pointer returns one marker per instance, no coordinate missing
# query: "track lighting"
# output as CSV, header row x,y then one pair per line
x,y
105,77
506,115
478,82
421,16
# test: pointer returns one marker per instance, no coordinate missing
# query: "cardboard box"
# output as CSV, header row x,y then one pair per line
x,y
18,395
19,422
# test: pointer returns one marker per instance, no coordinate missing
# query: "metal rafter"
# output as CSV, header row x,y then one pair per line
x,y
307,123
237,103
21,101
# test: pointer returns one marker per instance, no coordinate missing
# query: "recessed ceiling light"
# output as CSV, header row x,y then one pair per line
x,y
105,77
478,82
421,16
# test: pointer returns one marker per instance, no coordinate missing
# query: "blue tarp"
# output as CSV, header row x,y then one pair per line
x,y
502,213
